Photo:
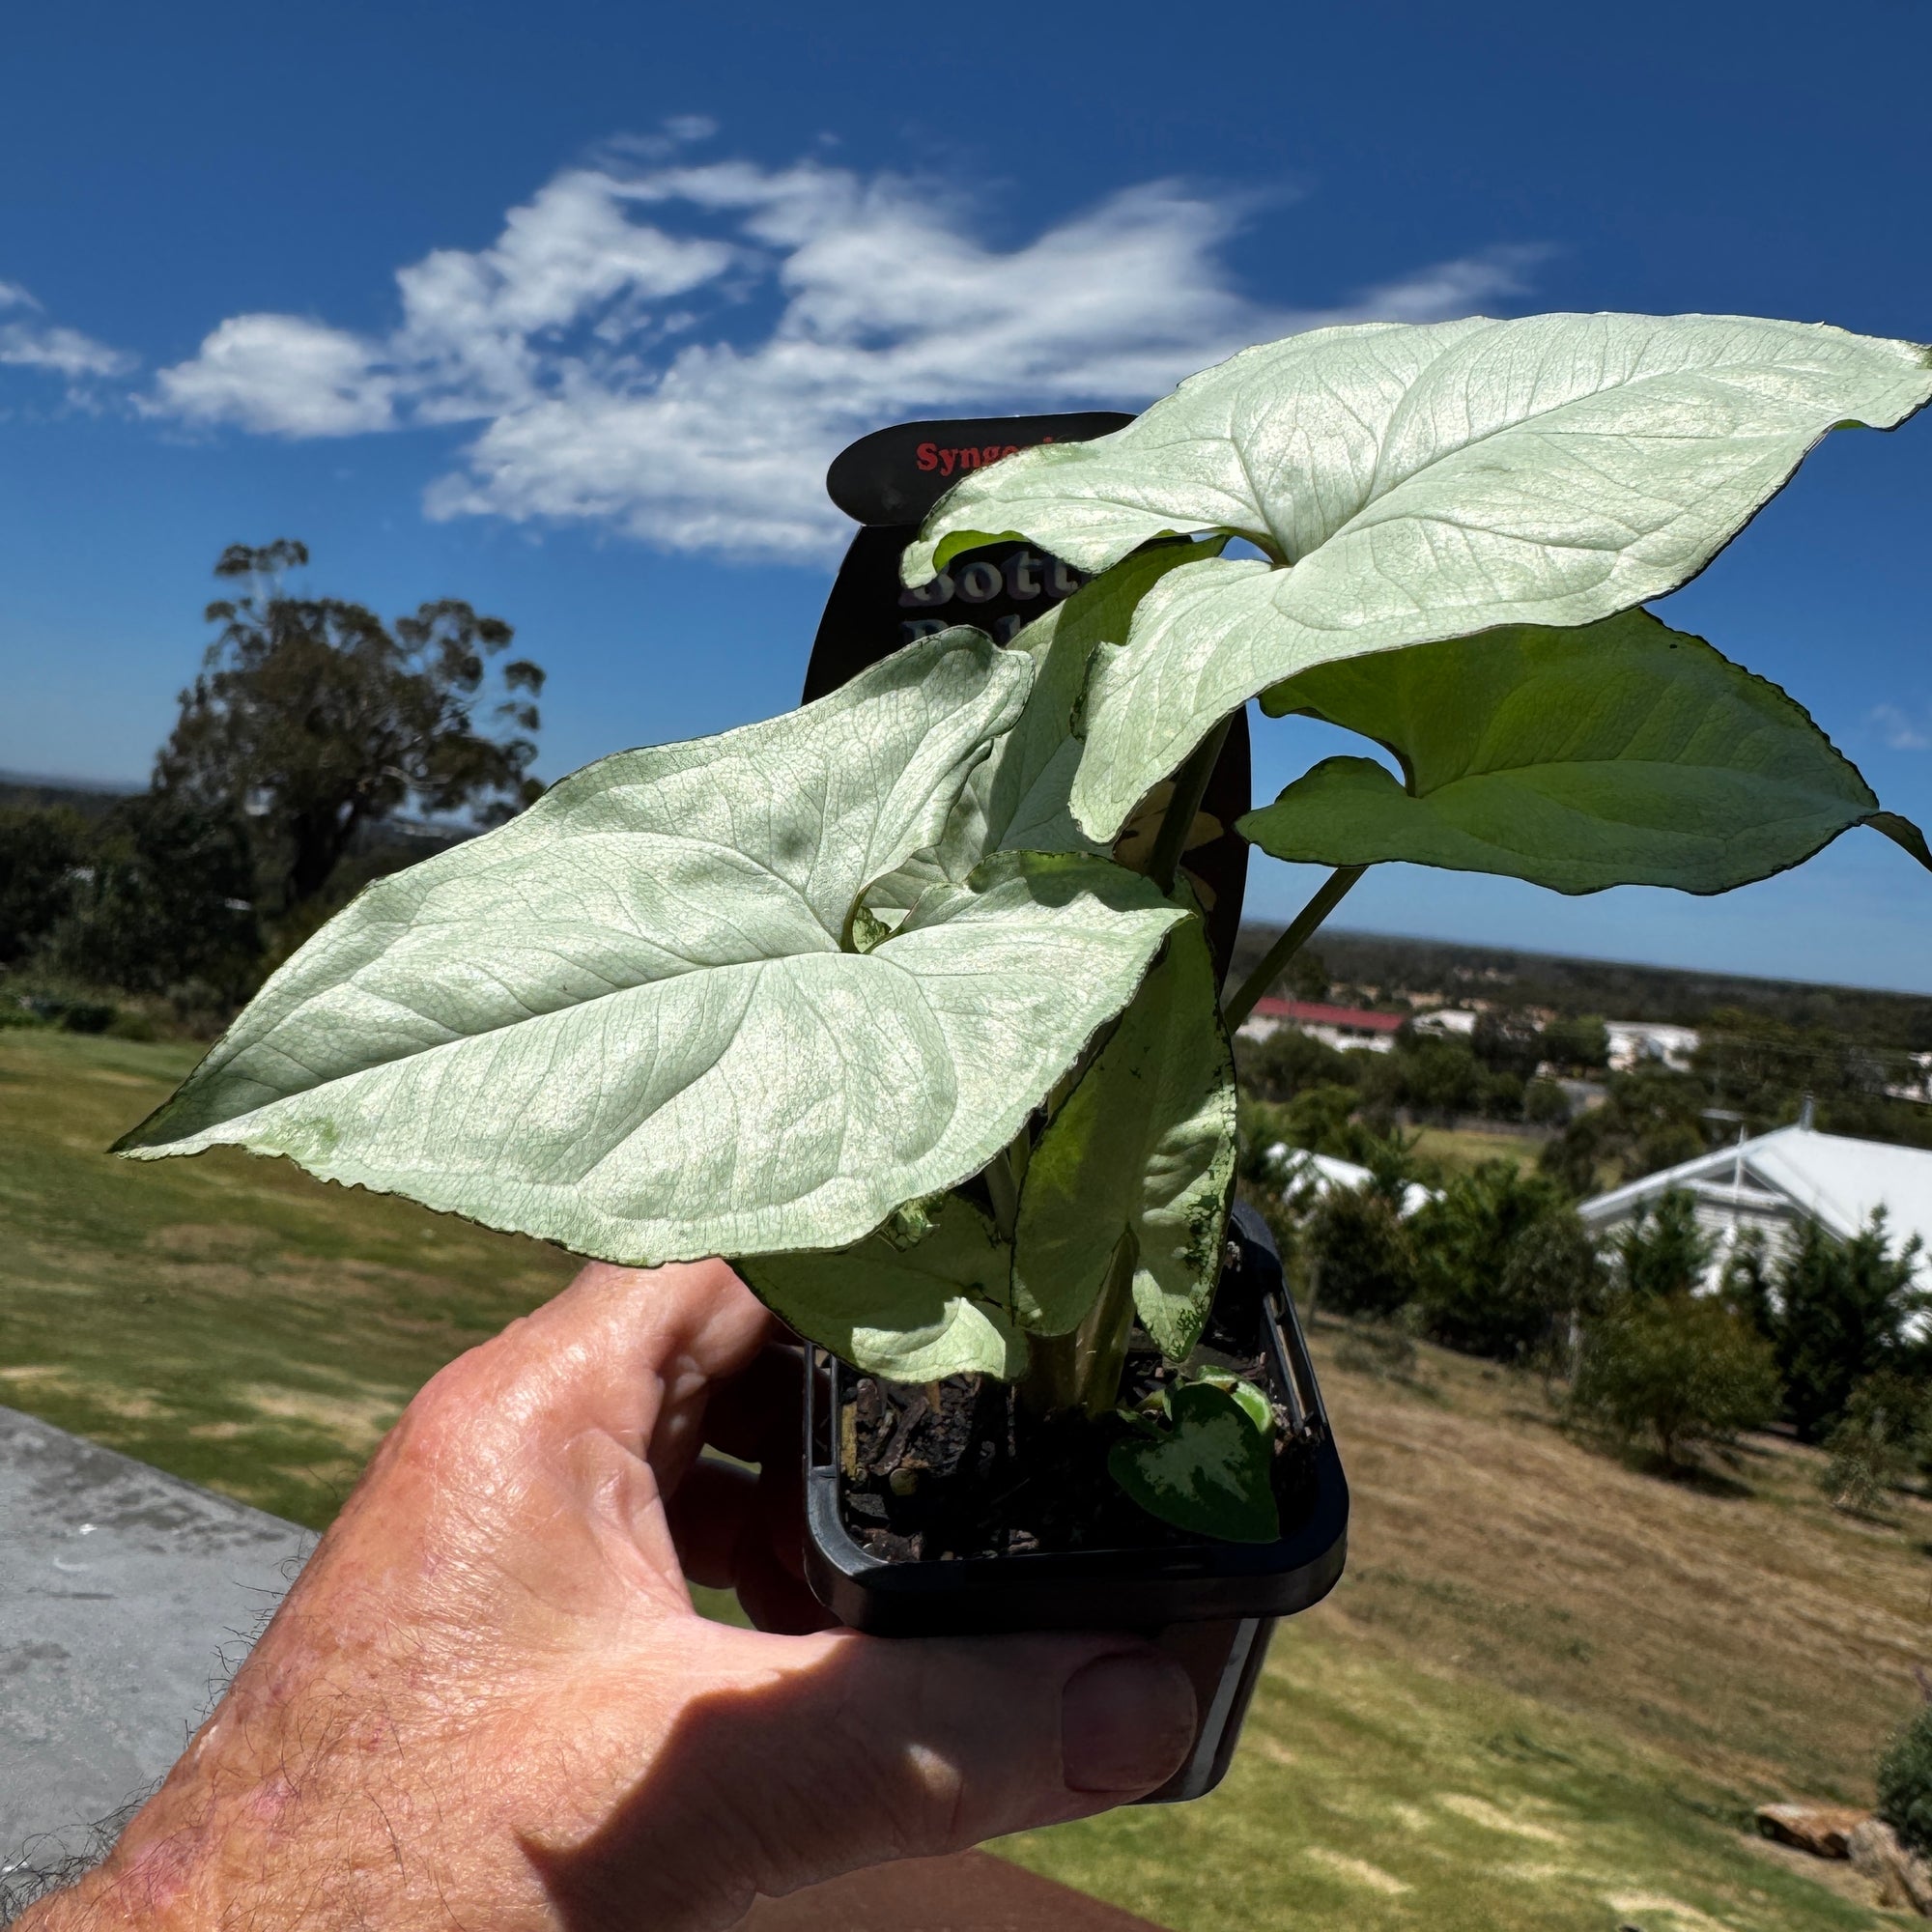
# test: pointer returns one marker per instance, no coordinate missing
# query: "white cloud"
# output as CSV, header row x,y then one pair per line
x,y
676,350
1898,730
283,376
26,342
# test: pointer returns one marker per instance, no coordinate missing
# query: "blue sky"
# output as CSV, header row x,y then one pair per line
x,y
562,310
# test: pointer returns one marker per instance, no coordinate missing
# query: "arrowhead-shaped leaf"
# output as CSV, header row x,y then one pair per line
x,y
1619,753
626,1021
1145,1146
1211,1473
1425,481
913,1304
1017,799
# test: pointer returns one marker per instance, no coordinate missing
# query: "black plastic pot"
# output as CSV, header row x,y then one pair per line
x,y
1212,1606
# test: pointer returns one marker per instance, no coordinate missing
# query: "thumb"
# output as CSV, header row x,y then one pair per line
x,y
838,1750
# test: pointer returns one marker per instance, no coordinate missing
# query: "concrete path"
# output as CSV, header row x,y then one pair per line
x,y
127,1597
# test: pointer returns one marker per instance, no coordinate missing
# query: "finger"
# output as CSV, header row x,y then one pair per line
x,y
723,1519
774,1598
843,1750
758,1414
714,1513
627,1351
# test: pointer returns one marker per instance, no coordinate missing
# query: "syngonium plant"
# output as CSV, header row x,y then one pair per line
x,y
887,1001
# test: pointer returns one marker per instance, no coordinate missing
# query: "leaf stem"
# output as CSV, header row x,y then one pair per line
x,y
1081,1369
1004,1191
1332,890
1190,786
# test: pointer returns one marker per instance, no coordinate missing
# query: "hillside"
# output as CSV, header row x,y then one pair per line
x,y
1545,1696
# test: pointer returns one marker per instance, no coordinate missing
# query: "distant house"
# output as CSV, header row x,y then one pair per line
x,y
1778,1181
1298,1171
1632,1043
1333,1026
1915,1078
1452,1022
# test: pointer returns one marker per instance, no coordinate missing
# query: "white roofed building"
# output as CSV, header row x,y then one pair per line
x,y
1634,1042
1298,1171
1779,1180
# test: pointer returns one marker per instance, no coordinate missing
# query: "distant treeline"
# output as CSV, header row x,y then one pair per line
x,y
87,802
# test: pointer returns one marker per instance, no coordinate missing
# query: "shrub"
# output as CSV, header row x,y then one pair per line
x,y
1318,1119
1877,1445
1554,1280
1508,1042
1583,1043
1664,1251
1679,1368
1746,1285
1287,1061
1360,1254
1481,1289
1842,1312
168,900
1652,1118
1546,1104
1905,1782
1439,1077
40,852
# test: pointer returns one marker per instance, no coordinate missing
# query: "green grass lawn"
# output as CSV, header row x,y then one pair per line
x,y
1464,1149
1546,1695
225,1318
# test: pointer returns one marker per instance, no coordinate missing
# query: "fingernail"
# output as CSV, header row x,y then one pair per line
x,y
1126,1722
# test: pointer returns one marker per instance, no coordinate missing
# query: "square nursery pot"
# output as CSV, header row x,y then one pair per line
x,y
1212,1606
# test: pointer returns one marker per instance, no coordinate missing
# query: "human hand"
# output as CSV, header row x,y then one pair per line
x,y
488,1701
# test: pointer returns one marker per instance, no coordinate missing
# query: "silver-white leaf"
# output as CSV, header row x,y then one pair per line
x,y
1018,800
911,1310
1423,481
629,1021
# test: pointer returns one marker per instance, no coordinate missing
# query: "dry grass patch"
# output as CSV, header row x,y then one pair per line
x,y
1763,1638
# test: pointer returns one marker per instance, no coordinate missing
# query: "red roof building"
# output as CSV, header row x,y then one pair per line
x,y
1337,1026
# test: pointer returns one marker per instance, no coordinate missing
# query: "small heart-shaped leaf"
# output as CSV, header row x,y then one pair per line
x,y
1212,1472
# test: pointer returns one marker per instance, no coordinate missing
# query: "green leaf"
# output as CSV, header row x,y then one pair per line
x,y
1144,1148
1425,481
1619,753
1017,799
910,1308
629,1022
1212,1472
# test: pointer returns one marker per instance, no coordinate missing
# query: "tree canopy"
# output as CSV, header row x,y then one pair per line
x,y
315,719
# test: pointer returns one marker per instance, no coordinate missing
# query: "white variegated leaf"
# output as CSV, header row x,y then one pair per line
x,y
1423,481
635,1021
913,1310
1018,800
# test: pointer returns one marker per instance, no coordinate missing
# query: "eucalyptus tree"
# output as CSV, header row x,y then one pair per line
x,y
315,719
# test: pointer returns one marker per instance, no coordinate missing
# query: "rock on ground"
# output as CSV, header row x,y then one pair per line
x,y
1903,1877
1822,1829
